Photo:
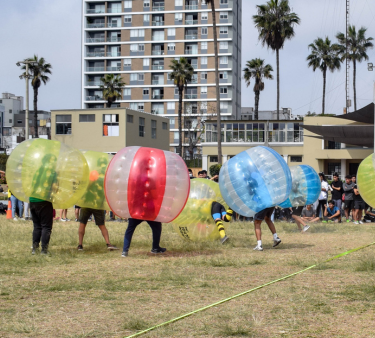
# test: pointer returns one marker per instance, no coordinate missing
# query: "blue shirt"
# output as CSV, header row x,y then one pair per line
x,y
331,212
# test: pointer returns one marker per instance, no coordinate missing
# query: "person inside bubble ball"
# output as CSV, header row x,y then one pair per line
x,y
266,216
219,215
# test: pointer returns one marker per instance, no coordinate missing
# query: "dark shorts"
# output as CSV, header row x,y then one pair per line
x,y
359,205
297,211
261,215
217,210
87,212
349,204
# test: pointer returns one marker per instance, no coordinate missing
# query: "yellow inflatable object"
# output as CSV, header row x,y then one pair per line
x,y
195,222
47,170
94,196
366,180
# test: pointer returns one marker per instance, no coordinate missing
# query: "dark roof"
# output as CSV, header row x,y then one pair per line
x,y
364,115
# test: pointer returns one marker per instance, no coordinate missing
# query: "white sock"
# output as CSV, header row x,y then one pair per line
x,y
259,243
275,236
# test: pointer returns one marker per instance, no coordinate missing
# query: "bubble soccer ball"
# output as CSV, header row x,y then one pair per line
x,y
195,222
254,180
366,180
48,170
147,184
94,196
306,187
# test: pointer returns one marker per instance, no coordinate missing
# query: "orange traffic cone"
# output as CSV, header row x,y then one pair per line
x,y
9,211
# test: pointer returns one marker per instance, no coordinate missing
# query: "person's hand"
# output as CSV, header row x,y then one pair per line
x,y
325,205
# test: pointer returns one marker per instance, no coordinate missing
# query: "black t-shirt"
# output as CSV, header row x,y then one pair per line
x,y
337,194
357,197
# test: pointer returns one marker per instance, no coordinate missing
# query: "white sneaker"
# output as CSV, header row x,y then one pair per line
x,y
15,219
276,242
67,220
258,248
63,220
22,219
360,222
305,228
355,222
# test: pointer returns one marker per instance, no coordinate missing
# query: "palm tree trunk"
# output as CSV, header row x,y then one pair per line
x,y
219,153
278,82
36,135
180,121
354,86
324,90
256,105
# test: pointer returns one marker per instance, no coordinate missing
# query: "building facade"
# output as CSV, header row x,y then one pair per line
x,y
138,39
109,129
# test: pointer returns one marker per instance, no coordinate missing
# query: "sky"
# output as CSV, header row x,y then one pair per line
x,y
52,29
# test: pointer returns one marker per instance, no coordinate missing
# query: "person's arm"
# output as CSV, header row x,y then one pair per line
x,y
213,178
356,192
333,187
324,186
337,214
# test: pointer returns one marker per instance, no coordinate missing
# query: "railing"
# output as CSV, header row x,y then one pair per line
x,y
191,37
95,25
191,22
157,82
114,69
113,24
189,7
94,98
194,80
114,10
158,23
95,11
95,40
113,39
113,54
95,54
157,67
95,69
191,51
157,111
93,83
191,96
157,52
157,38
157,97
158,6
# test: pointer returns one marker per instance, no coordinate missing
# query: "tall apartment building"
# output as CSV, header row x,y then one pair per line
x,y
139,38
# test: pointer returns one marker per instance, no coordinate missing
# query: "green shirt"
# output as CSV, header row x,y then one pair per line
x,y
33,199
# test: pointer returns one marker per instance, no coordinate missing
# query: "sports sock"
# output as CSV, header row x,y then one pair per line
x,y
229,215
260,243
220,227
275,236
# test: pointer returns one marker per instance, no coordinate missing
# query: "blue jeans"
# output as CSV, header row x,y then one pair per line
x,y
16,202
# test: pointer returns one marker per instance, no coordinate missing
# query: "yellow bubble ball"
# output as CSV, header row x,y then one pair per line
x,y
49,170
366,180
195,222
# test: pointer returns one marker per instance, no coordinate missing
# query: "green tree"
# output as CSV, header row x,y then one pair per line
x,y
182,73
38,73
358,45
275,23
219,151
112,86
324,56
257,70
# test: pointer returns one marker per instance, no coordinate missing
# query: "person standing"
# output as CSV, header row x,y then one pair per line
x,y
323,195
16,203
265,215
348,188
337,191
26,208
359,205
64,215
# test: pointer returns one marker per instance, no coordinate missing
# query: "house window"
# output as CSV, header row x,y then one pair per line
x,y
204,30
63,124
165,125
295,158
213,159
146,91
127,62
223,90
171,46
203,90
86,117
128,4
223,15
111,125
141,127
203,60
171,31
129,118
223,30
204,75
153,128
204,45
204,16
127,18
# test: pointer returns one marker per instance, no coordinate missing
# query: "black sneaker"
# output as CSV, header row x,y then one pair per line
x,y
35,247
80,248
224,239
44,252
111,247
159,250
125,254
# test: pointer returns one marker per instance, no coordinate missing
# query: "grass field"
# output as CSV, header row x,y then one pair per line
x,y
96,293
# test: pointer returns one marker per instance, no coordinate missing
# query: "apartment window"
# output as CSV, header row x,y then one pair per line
x,y
213,159
127,92
86,117
128,4
134,47
10,111
171,31
135,33
141,127
223,75
146,17
203,60
141,106
204,75
165,125
223,2
178,3
223,60
10,120
178,17
146,62
223,105
63,124
224,15
295,158
171,105
204,16
223,90
146,91
223,45
127,62
146,3
141,47
223,30
141,77
133,77
204,45
111,125
19,121
203,90
204,30
153,128
129,118
127,18
171,46
176,91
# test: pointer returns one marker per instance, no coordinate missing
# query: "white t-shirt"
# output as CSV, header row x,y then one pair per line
x,y
324,194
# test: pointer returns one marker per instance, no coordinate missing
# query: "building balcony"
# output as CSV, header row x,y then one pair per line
x,y
95,69
157,82
191,37
157,52
114,10
95,11
113,25
94,98
157,67
190,7
95,54
157,111
191,51
191,22
194,80
158,38
157,97
191,96
158,6
113,39
158,23
95,25
93,83
113,54
114,69
95,40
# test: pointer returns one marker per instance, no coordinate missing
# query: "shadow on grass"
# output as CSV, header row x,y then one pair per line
x,y
287,246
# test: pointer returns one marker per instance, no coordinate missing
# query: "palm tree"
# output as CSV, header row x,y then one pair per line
x,y
256,69
275,23
112,86
219,152
182,73
38,71
325,57
357,50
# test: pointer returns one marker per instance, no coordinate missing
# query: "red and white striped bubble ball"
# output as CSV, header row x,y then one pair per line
x,y
148,184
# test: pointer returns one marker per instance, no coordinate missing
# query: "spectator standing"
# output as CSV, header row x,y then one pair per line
x,y
26,209
308,214
64,212
77,210
337,191
16,203
191,174
359,205
348,188
323,195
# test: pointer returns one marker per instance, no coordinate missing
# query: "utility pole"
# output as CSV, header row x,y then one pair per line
x,y
347,103
370,68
